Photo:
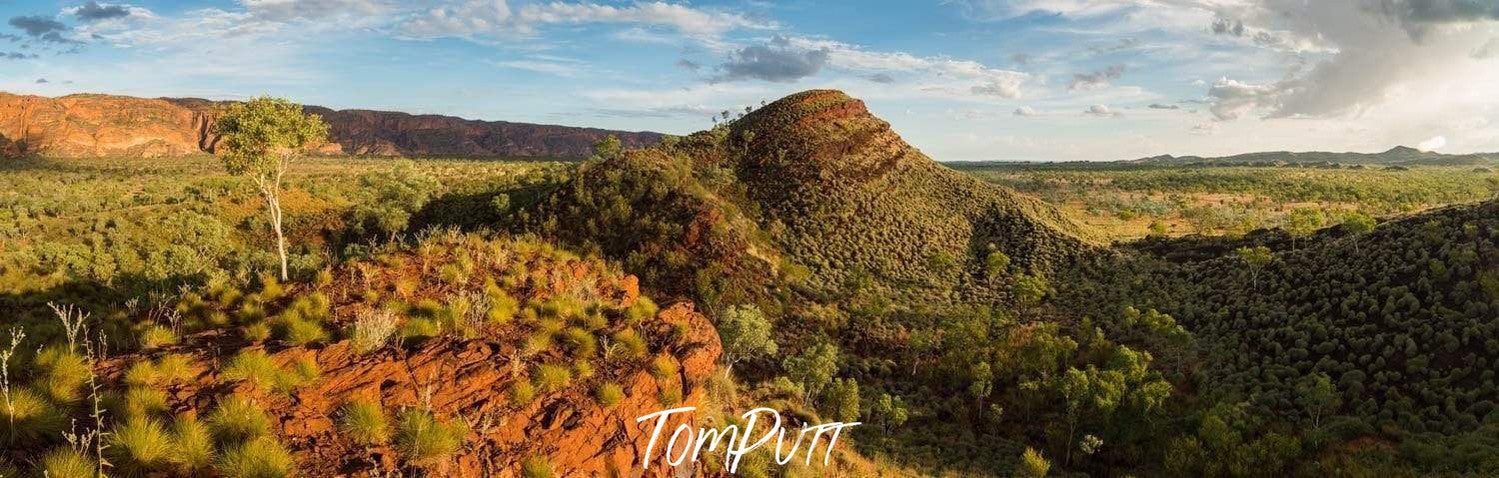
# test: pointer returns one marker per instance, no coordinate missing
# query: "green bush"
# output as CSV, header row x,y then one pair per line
x,y
174,369
630,344
664,368
579,343
142,402
423,440
65,462
418,329
238,418
262,457
551,378
609,394
536,467
254,366
303,332
156,336
31,417
363,422
61,374
192,445
140,446
522,393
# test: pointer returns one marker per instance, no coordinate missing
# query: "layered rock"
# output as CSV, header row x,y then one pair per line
x,y
463,374
103,125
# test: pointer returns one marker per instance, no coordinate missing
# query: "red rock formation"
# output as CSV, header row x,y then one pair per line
x,y
465,381
90,125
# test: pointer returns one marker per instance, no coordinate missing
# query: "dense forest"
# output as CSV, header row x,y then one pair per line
x,y
973,329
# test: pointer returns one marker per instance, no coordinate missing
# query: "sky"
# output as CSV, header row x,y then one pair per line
x,y
959,79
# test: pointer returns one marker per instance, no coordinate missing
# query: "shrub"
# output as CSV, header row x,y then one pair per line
x,y
670,395
536,467
174,368
141,402
61,373
551,378
141,445
663,367
583,369
303,331
609,394
254,366
418,329
644,308
372,329
256,331
258,368
140,373
579,342
259,458
502,306
364,422
1032,465
522,393
192,445
423,440
156,336
631,344
238,419
303,370
65,462
538,342
31,417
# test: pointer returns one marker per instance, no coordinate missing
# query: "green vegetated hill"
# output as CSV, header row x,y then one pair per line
x,y
812,188
972,323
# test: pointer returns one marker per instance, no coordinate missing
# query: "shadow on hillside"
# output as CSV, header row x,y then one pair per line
x,y
105,302
1197,247
470,211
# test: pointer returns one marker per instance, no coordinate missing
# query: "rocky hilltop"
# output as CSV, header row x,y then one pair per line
x,y
89,125
809,184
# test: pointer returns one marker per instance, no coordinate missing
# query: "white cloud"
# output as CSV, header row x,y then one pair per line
x,y
1378,52
565,67
1102,110
979,79
1489,49
495,17
315,10
1433,144
1025,111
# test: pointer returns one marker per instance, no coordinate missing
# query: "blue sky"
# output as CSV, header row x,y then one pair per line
x,y
960,79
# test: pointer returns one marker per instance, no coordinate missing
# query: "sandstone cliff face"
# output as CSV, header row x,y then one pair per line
x,y
99,125
103,125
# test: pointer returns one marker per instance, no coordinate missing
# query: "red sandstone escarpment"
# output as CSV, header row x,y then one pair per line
x,y
89,125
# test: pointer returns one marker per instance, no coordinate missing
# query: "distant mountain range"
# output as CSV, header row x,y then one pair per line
x,y
1397,156
91,125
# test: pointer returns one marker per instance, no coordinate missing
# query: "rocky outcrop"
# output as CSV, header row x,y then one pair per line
x,y
465,381
89,125
100,125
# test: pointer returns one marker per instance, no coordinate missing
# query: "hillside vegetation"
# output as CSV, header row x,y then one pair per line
x,y
453,354
973,318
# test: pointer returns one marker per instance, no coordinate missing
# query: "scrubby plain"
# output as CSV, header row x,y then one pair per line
x,y
1131,201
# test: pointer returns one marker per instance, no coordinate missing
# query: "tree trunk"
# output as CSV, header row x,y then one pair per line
x,y
280,237
271,189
